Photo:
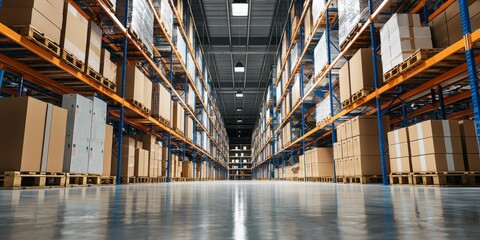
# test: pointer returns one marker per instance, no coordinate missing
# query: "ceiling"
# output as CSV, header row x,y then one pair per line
x,y
251,40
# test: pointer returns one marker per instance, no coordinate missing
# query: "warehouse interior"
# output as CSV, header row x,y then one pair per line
x,y
239,119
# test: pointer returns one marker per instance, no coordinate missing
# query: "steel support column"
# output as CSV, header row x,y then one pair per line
x,y
330,86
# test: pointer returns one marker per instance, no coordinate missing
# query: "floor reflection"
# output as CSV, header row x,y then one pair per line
x,y
241,210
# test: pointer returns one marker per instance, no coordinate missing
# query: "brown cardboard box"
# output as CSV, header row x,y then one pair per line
x,y
348,129
107,151
439,31
400,165
128,159
308,23
367,165
147,93
472,162
344,81
341,132
454,27
351,148
361,70
367,125
470,145
107,67
322,155
134,88
467,128
74,32
140,162
399,150
436,145
398,136
94,47
337,151
31,16
339,169
351,167
434,128
52,9
345,148
365,145
438,162
324,169
22,127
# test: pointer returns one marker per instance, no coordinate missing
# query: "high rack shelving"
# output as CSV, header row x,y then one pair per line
x,y
452,93
240,163
41,71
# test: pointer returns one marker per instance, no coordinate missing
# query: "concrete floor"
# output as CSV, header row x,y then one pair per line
x,y
241,210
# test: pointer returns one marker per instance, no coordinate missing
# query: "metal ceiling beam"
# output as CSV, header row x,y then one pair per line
x,y
242,42
250,52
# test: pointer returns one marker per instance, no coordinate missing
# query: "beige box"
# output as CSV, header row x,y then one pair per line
x,y
147,93
324,169
74,32
107,151
134,83
351,167
399,150
436,145
161,102
365,145
434,128
344,81
94,47
467,128
367,165
337,151
351,148
348,129
367,125
400,165
128,159
438,162
361,70
345,148
439,31
472,162
339,169
341,132
108,68
398,136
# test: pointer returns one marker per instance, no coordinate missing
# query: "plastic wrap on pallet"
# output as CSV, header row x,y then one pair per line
x,y
140,20
278,90
296,89
318,6
180,44
350,13
164,10
191,97
191,66
294,55
112,2
322,110
321,53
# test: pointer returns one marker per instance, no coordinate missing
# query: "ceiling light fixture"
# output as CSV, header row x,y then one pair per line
x,y
239,120
239,68
239,8
239,109
239,94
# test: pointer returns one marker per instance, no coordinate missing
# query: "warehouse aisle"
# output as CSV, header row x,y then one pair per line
x,y
240,210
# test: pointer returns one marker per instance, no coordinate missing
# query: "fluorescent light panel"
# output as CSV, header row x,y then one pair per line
x,y
240,8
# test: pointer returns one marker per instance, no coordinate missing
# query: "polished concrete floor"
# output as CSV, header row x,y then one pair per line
x,y
241,210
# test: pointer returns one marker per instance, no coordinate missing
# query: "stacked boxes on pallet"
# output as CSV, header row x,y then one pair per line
x,y
436,145
470,145
399,151
45,16
128,159
94,47
357,151
140,20
33,135
323,111
321,54
163,9
446,27
178,116
350,14
318,163
400,37
137,86
107,151
74,33
161,102
318,6
108,68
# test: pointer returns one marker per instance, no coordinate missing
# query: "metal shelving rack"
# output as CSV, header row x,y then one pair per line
x,y
240,163
431,96
128,50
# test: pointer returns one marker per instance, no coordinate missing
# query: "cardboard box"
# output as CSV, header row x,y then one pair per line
x,y
345,148
364,145
438,162
140,162
337,151
436,145
400,165
341,132
107,152
54,139
351,147
467,128
351,167
399,150
94,47
434,128
74,32
398,136
361,70
134,83
439,30
348,129
367,165
128,158
367,125
108,68
470,145
339,170
344,81
397,20
147,93
472,162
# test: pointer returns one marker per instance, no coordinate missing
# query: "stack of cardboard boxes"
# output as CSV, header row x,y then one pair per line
x,y
108,68
161,102
399,151
318,163
447,27
140,20
401,36
357,74
323,111
178,116
471,154
357,150
137,86
163,9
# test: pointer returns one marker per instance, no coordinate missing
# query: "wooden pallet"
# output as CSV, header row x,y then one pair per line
x,y
364,179
163,120
108,180
94,179
109,5
26,179
128,180
361,42
72,60
391,74
135,103
38,38
178,131
361,94
400,178
443,178
340,179
109,84
332,17
346,103
76,180
95,75
137,39
416,58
